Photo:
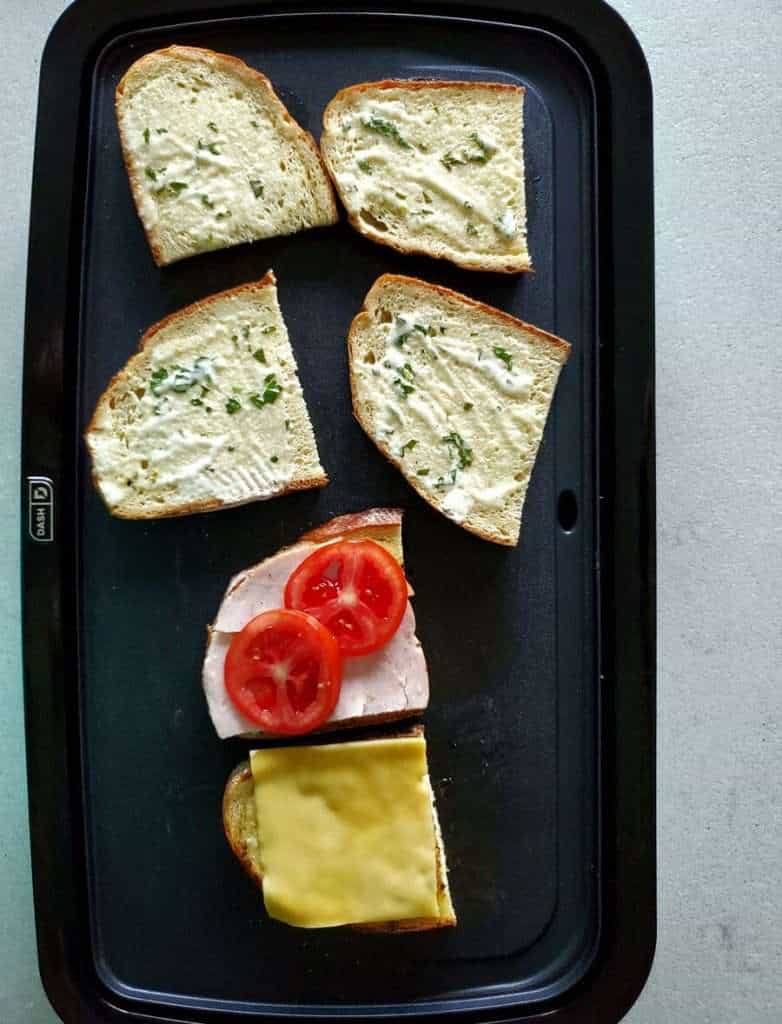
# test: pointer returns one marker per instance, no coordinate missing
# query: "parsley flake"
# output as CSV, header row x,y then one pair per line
x,y
504,355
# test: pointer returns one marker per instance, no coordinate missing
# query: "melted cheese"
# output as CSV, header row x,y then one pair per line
x,y
346,832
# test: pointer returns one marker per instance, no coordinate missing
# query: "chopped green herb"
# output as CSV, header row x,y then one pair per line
x,y
222,215
208,408
158,376
146,136
162,131
448,160
468,406
365,166
504,355
387,128
467,204
259,355
404,389
408,371
257,186
152,175
245,331
255,124
272,389
423,472
287,424
196,401
446,481
231,448
471,229
485,150
426,197
478,154
274,459
269,329
232,406
207,202
463,451
172,188
425,213
212,125
211,146
408,447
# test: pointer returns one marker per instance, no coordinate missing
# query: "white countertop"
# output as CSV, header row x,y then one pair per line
x,y
717,77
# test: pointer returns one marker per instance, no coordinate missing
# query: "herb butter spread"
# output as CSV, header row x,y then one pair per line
x,y
434,168
346,832
455,394
196,420
214,157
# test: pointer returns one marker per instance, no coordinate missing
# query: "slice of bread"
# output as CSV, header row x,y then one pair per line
x,y
390,684
240,825
433,167
455,394
208,413
213,156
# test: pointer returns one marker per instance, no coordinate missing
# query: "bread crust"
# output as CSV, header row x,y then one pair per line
x,y
497,266
235,791
353,521
562,347
147,341
254,79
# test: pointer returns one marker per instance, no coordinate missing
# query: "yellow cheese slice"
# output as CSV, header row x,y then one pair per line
x,y
346,832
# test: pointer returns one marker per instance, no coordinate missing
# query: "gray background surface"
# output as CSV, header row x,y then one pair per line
x,y
717,77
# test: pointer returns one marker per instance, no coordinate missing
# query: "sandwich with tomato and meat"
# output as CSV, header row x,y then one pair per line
x,y
320,636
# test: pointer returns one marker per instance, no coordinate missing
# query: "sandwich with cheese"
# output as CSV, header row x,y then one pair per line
x,y
342,834
208,413
319,636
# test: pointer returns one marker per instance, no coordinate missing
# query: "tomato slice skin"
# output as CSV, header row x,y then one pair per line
x,y
357,589
283,671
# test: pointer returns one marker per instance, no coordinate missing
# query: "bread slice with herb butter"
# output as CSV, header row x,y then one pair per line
x,y
455,394
342,834
213,156
208,413
433,167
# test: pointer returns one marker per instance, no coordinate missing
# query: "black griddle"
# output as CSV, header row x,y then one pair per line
x,y
542,658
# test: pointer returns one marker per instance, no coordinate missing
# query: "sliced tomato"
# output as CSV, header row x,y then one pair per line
x,y
356,589
284,672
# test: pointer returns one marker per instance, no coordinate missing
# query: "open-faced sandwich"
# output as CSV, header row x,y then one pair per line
x,y
213,156
208,413
455,394
433,167
342,834
318,636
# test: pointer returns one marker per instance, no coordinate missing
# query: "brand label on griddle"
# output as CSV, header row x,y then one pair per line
x,y
40,508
